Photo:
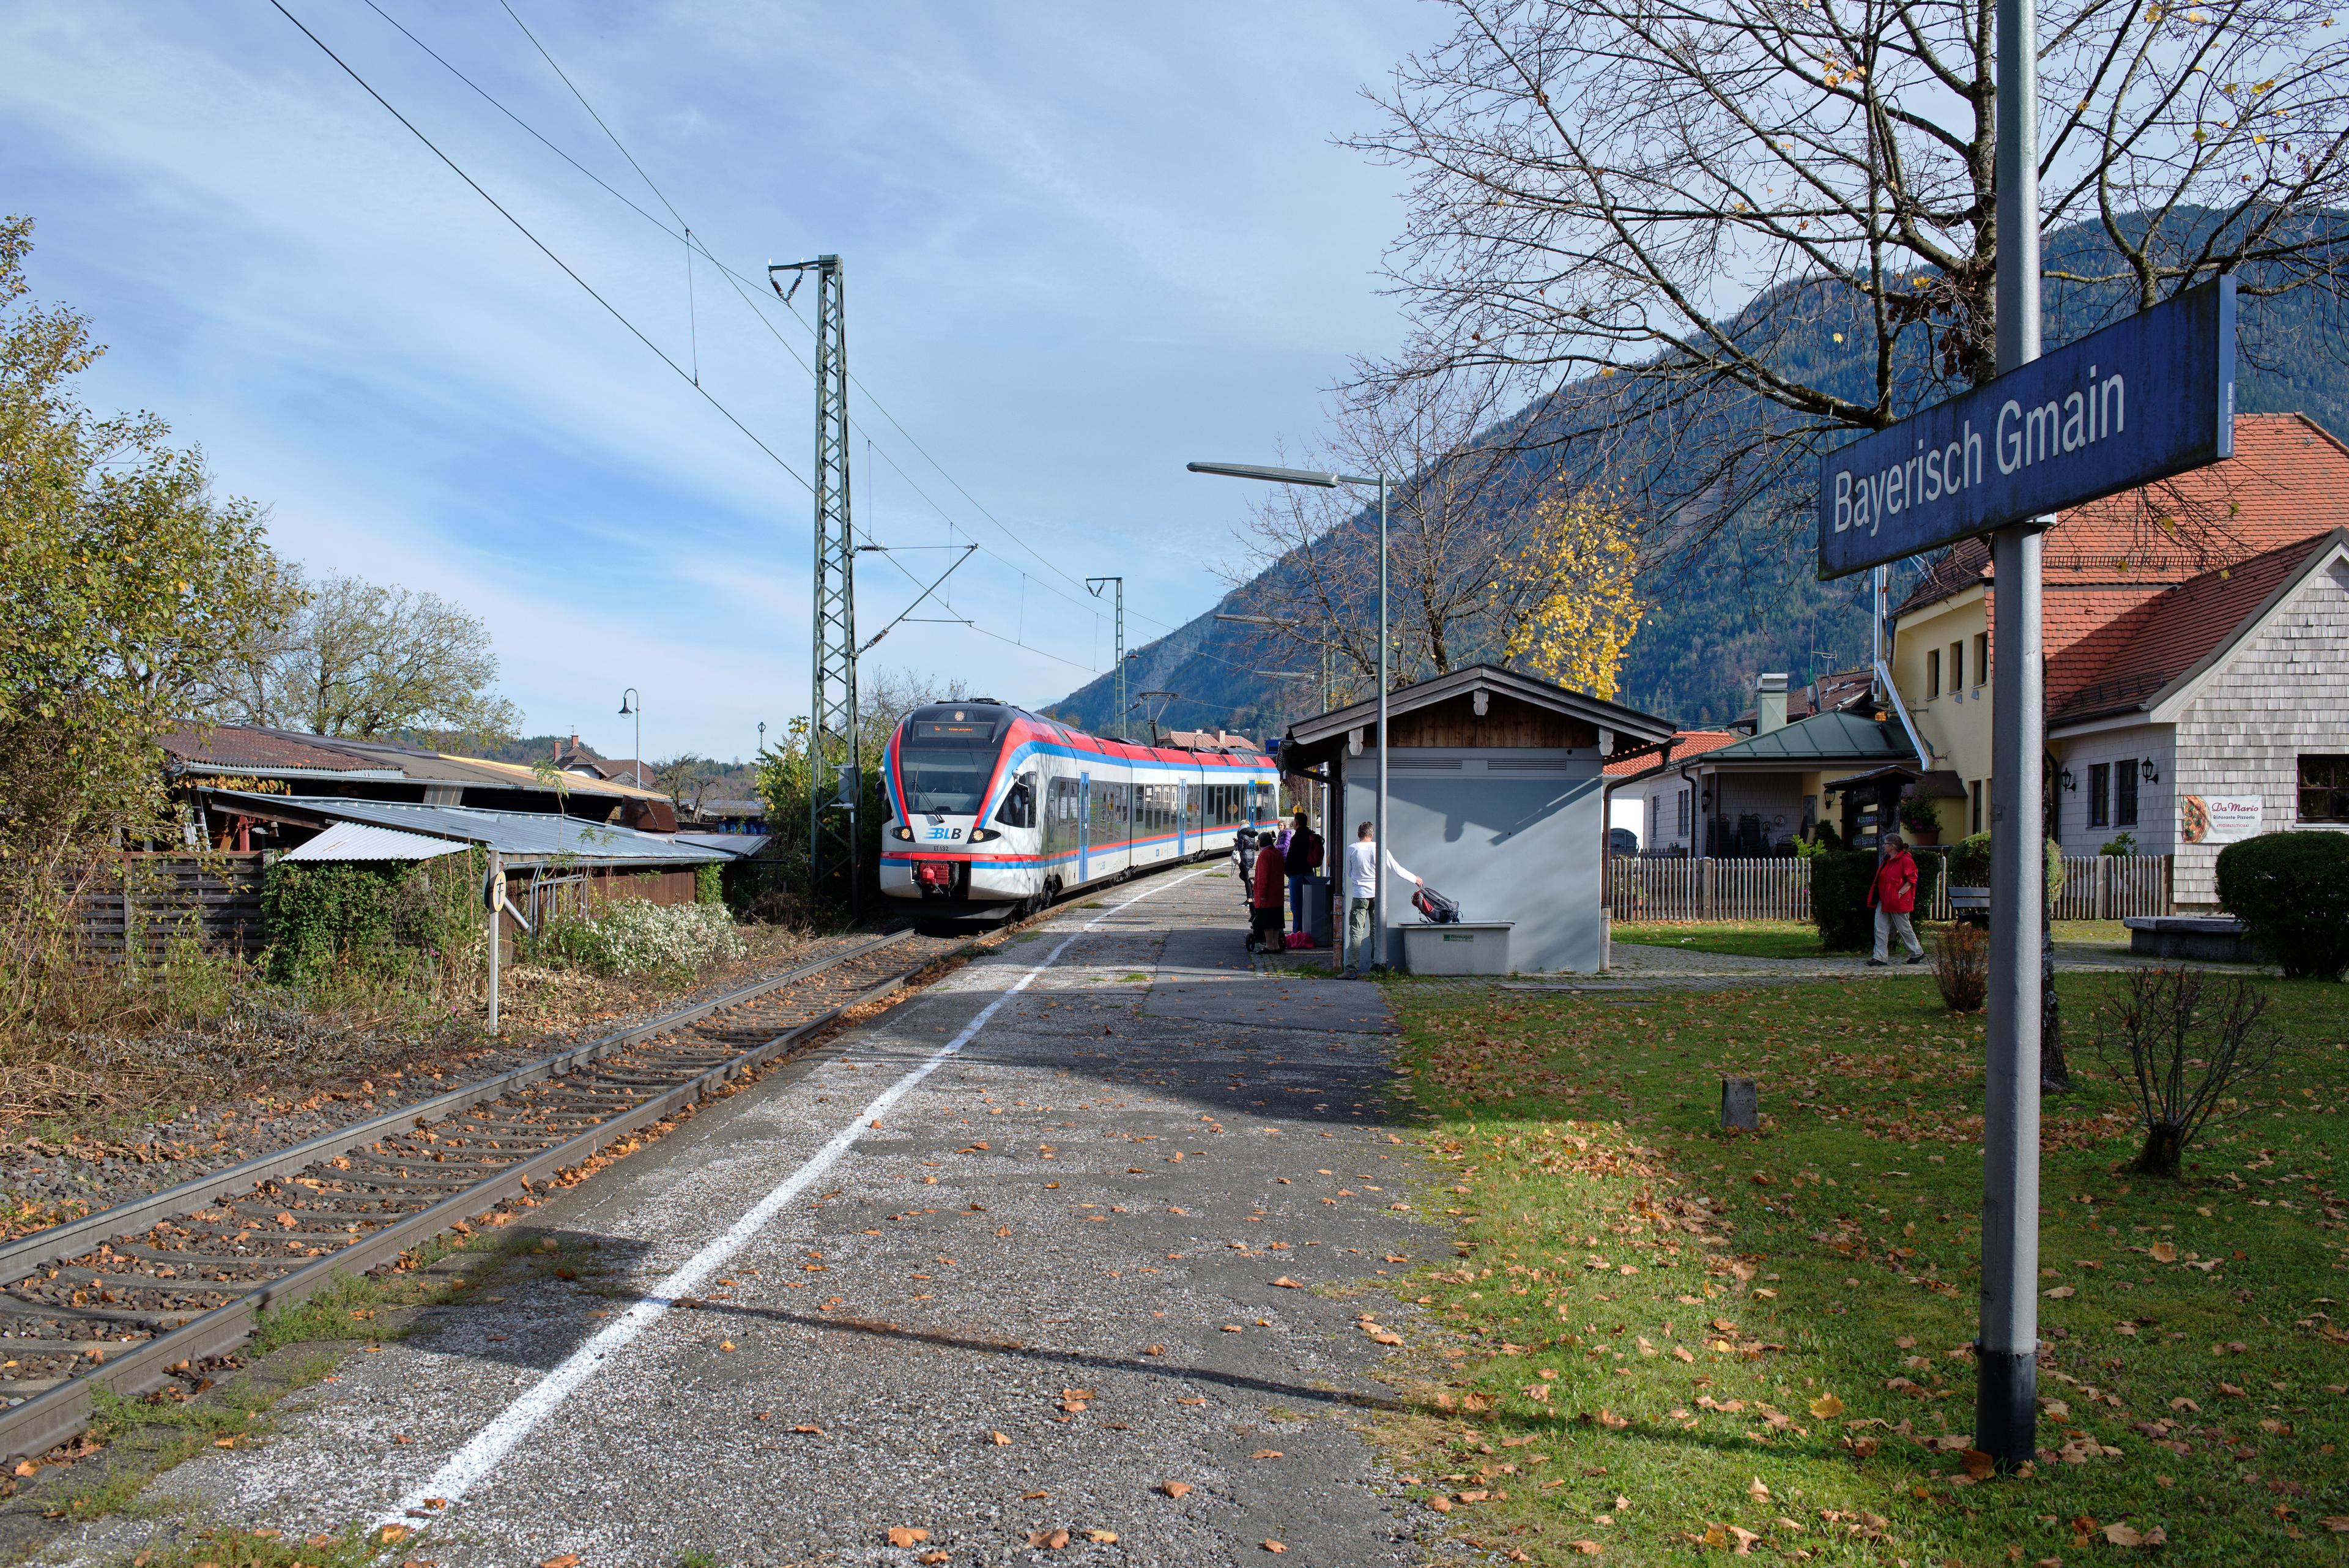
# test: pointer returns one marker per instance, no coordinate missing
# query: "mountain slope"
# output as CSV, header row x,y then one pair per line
x,y
1751,600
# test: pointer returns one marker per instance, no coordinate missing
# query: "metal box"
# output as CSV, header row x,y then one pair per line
x,y
1468,947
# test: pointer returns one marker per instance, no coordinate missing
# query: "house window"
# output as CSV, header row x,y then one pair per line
x,y
1957,665
1981,657
2323,787
2125,794
2100,795
1680,814
1974,791
1932,673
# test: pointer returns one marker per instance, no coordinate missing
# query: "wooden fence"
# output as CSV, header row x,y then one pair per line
x,y
143,901
2095,887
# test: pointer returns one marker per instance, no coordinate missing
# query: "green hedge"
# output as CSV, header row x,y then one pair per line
x,y
2291,891
384,921
1839,882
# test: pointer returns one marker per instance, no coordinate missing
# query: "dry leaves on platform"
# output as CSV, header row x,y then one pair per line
x,y
1274,1546
906,1535
1266,1454
999,1439
810,1427
1049,1539
1174,1489
567,1560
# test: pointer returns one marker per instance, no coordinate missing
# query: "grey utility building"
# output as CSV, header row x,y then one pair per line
x,y
1494,796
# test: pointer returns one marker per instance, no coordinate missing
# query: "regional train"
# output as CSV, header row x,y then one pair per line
x,y
994,811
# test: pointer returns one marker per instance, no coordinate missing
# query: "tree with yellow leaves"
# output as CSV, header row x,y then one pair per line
x,y
1583,606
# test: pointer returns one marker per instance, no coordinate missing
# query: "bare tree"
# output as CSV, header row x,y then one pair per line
x,y
1716,239
1472,562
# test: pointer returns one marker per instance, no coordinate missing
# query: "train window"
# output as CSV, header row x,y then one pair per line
x,y
1061,815
949,781
1019,808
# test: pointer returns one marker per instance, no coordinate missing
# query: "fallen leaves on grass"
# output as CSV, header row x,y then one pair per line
x,y
2130,1535
1826,1406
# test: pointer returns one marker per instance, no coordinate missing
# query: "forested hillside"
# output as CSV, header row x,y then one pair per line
x,y
1750,599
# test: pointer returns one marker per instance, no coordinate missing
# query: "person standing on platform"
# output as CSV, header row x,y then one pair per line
x,y
1264,897
1304,859
1362,889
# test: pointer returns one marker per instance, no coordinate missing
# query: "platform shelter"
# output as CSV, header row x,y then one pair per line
x,y
1493,795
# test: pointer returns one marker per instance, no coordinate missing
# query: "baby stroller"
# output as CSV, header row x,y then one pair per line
x,y
1264,930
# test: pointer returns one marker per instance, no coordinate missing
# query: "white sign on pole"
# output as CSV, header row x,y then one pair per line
x,y
2218,818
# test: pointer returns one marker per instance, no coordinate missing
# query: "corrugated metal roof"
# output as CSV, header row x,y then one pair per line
x,y
528,836
740,846
360,841
247,748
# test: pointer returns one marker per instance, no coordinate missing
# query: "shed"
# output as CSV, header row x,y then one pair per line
x,y
1493,795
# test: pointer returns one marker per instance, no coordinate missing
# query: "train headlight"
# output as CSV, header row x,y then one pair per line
x,y
981,835
903,832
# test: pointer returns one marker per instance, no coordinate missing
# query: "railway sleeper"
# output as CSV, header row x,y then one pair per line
x,y
16,1307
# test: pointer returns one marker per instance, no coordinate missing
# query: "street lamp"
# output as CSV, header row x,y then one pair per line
x,y
625,698
1379,816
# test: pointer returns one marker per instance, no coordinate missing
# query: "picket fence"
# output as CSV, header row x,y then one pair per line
x,y
141,902
1639,887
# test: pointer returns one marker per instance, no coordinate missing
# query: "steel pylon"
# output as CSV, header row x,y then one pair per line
x,y
835,784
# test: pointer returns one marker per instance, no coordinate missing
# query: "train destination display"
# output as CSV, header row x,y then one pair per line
x,y
2139,400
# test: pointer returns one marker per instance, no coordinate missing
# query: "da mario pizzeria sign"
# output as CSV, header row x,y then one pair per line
x,y
2146,397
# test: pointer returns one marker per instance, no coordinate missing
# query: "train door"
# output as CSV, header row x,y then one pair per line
x,y
1181,817
1084,826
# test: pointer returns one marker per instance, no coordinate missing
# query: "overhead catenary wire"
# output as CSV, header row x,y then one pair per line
x,y
543,249
751,297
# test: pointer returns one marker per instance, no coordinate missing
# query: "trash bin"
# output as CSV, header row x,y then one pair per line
x,y
1317,910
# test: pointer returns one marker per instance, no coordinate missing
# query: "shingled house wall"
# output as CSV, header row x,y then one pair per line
x,y
2286,691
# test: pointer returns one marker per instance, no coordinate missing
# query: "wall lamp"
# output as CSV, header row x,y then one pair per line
x,y
2148,772
2070,785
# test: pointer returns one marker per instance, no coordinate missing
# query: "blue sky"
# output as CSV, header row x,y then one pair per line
x,y
1084,244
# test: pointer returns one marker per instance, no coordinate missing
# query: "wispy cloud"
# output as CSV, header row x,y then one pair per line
x,y
1082,245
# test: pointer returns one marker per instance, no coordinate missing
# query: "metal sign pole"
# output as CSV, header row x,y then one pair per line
x,y
1379,913
493,895
2007,1353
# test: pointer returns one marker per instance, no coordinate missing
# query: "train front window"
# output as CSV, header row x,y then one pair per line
x,y
947,783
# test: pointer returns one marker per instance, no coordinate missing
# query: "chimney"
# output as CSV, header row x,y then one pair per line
x,y
1769,703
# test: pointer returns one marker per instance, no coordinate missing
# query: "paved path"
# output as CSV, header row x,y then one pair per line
x,y
1098,1192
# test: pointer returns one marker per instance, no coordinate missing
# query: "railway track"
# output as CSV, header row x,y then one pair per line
x,y
158,1290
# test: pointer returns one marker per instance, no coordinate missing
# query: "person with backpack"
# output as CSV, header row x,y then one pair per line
x,y
1304,858
1892,895
1362,893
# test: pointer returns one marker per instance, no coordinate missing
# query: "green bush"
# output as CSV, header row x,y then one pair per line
x,y
1969,862
2291,891
634,936
381,920
1839,883
709,884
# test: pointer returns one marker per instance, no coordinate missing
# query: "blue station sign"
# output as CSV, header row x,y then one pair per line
x,y
2139,400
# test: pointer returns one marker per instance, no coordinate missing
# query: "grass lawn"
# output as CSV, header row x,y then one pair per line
x,y
1800,939
1743,939
1659,1343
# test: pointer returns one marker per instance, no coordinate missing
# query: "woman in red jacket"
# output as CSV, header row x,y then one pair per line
x,y
1266,890
1892,896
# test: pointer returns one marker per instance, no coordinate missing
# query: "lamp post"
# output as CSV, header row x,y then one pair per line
x,y
637,762
1379,816
762,737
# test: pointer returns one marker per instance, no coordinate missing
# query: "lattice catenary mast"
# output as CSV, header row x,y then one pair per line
x,y
835,785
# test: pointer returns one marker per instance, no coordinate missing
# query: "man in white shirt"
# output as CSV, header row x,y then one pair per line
x,y
1362,892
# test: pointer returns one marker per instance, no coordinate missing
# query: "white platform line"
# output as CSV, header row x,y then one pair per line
x,y
481,1454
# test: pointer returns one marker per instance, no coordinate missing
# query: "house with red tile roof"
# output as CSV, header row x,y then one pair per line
x,y
1666,797
2197,641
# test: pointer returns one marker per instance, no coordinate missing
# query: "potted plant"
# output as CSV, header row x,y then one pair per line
x,y
1969,869
1921,820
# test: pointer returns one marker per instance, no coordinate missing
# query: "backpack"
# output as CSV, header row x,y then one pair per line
x,y
1438,909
